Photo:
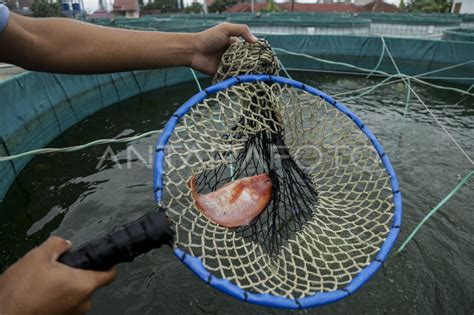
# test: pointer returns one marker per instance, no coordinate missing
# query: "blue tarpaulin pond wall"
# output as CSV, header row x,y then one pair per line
x,y
37,107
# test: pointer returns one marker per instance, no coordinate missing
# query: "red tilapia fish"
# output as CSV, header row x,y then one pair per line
x,y
236,203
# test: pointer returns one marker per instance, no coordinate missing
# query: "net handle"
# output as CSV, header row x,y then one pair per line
x,y
124,245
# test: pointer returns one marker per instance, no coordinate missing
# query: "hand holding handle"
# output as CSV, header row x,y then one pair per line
x,y
139,237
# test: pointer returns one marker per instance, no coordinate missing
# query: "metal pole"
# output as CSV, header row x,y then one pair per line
x,y
253,6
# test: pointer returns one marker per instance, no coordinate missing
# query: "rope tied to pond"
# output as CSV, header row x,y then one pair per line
x,y
364,90
434,210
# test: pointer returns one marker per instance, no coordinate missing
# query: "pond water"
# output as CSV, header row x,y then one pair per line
x,y
82,195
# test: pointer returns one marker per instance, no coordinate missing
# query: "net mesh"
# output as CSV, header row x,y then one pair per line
x,y
331,204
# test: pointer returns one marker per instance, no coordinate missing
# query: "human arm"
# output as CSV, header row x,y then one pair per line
x,y
39,284
70,46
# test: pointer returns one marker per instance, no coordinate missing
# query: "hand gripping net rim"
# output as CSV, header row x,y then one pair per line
x,y
230,283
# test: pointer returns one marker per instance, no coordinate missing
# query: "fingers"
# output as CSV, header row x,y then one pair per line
x,y
84,308
54,247
88,281
102,278
234,40
239,30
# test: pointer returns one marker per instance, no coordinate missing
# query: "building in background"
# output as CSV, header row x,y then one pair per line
x,y
297,7
19,6
362,2
380,6
373,6
24,5
463,6
126,8
72,8
333,1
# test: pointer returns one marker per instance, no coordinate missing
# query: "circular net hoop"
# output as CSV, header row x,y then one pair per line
x,y
335,208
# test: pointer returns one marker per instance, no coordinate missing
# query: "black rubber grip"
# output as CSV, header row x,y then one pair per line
x,y
139,237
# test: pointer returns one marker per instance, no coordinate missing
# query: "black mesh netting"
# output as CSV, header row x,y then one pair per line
x,y
293,193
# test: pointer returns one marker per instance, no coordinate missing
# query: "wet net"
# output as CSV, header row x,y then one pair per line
x,y
332,203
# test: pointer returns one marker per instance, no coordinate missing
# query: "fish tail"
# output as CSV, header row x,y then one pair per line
x,y
194,194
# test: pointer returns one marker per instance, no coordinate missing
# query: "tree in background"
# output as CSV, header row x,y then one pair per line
x,y
195,7
43,8
402,5
165,6
219,6
271,7
11,4
431,6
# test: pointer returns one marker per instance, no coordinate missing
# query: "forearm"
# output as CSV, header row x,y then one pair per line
x,y
69,46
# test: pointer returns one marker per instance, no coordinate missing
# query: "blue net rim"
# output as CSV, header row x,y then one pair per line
x,y
264,299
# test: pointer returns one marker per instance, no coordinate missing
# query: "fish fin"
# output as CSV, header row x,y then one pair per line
x,y
194,194
236,192
192,187
190,183
227,184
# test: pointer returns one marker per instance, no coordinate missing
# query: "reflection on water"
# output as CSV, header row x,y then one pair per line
x,y
67,195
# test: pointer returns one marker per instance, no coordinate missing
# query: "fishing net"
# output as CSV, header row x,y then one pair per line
x,y
332,202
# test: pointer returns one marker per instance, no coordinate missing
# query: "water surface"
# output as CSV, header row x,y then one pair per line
x,y
82,195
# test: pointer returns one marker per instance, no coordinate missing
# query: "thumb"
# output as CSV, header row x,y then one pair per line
x,y
54,247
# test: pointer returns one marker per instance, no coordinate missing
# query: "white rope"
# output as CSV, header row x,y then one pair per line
x,y
78,147
441,125
464,97
374,75
400,77
380,59
426,107
196,79
416,77
331,62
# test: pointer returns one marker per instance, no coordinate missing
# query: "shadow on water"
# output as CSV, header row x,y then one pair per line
x,y
79,196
